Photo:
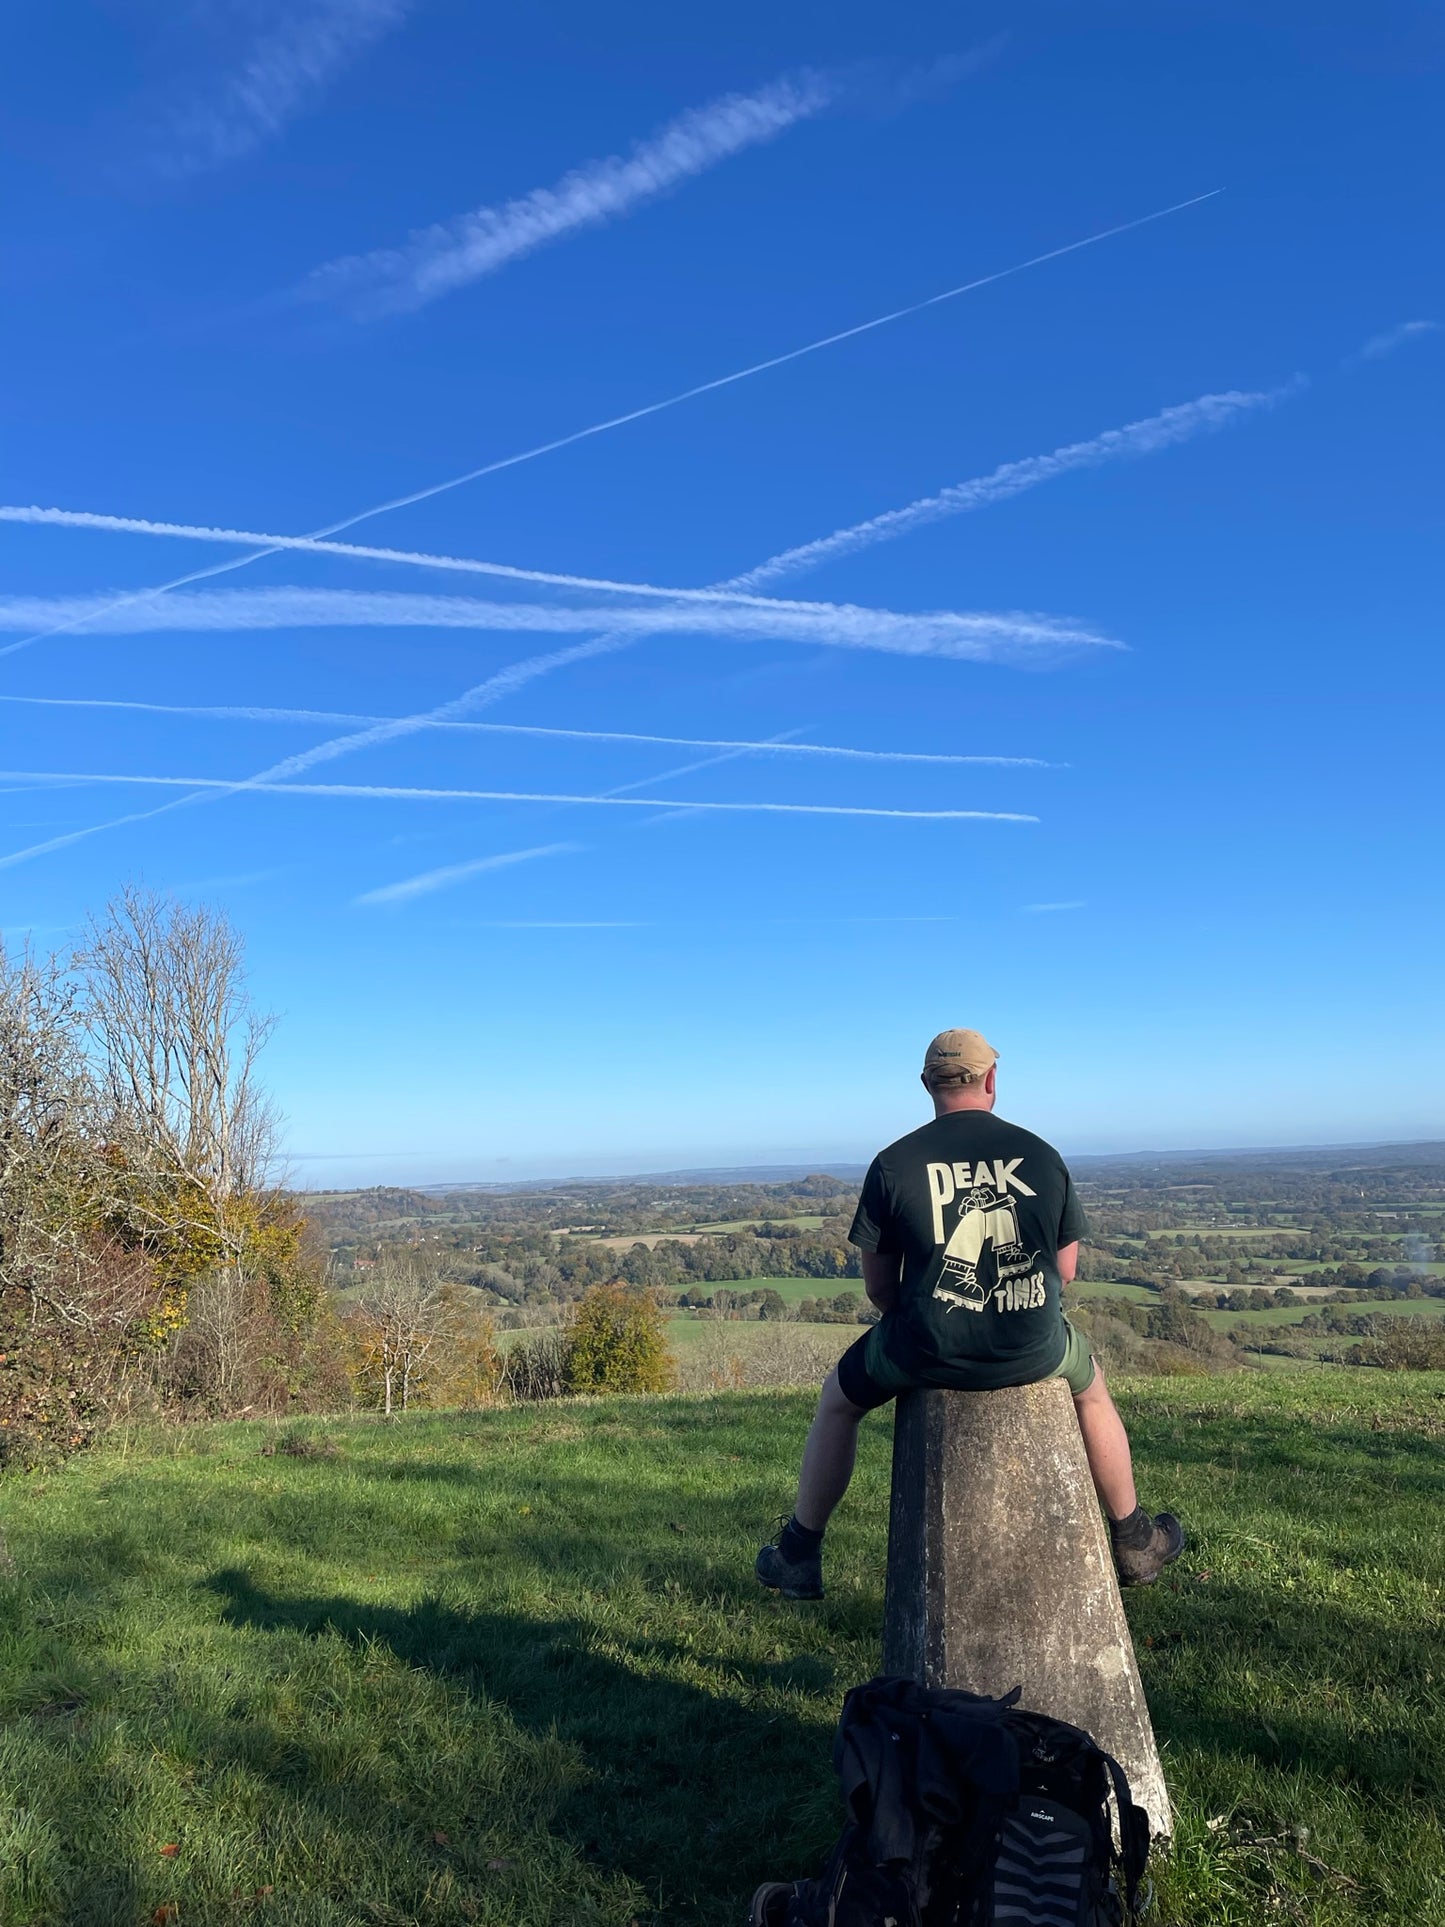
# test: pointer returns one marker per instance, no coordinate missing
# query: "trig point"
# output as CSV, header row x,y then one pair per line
x,y
999,1570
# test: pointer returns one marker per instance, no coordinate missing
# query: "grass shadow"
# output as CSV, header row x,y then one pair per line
x,y
673,1776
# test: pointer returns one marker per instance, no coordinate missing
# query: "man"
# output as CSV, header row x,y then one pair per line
x,y
969,1229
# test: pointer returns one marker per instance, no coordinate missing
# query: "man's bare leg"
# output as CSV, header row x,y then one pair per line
x,y
794,1565
828,1456
1142,1545
1107,1445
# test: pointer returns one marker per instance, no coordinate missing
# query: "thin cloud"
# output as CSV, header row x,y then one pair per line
x,y
437,260
972,636
1378,346
1048,909
386,792
430,881
294,49
255,713
1206,415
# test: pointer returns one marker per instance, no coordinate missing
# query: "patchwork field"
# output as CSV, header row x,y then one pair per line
x,y
512,1667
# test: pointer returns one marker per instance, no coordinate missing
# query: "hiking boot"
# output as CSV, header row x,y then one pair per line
x,y
1141,1565
800,1578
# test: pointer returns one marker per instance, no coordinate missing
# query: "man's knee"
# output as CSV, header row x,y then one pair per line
x,y
1096,1392
834,1403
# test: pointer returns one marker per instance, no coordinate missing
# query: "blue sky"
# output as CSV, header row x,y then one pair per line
x,y
270,266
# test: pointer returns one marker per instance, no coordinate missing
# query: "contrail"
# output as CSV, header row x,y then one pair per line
x,y
448,255
389,792
34,516
429,880
256,713
1170,426
640,414
971,635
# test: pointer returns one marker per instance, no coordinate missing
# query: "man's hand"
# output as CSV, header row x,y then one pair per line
x,y
881,1271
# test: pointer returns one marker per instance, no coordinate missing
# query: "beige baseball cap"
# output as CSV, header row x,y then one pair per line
x,y
960,1054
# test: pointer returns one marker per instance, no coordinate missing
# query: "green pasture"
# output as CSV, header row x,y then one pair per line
x,y
1083,1289
1296,1314
791,1290
512,1667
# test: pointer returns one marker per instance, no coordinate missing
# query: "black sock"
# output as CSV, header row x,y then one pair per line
x,y
1134,1532
797,1542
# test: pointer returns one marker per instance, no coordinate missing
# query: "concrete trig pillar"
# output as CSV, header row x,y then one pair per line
x,y
1000,1574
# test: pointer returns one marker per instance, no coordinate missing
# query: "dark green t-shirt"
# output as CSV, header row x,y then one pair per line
x,y
978,1210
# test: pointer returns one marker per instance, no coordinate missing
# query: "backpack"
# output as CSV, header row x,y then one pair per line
x,y
966,1811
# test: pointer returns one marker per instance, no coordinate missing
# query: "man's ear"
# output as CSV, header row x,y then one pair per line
x,y
991,1081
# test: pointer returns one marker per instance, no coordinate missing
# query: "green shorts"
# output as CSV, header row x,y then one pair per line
x,y
867,1377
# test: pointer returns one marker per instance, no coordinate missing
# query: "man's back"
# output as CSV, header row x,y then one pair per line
x,y
977,1209
963,1225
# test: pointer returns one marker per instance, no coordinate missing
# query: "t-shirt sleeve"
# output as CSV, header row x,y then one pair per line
x,y
1072,1222
873,1220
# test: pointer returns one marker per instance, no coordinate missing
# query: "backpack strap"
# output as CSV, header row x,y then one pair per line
x,y
1133,1832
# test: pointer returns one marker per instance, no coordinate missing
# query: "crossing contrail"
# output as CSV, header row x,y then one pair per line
x,y
258,713
636,414
34,517
389,792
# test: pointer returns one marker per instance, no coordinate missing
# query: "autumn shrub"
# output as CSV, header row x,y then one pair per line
x,y
1402,1345
615,1342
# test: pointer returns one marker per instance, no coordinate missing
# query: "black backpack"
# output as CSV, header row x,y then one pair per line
x,y
969,1812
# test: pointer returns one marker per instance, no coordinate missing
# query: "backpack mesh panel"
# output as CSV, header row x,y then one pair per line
x,y
1040,1873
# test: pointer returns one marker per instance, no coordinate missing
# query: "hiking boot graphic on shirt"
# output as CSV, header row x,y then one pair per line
x,y
986,1218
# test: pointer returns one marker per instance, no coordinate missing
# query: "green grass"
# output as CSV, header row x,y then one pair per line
x,y
1296,1314
791,1290
512,1667
1085,1288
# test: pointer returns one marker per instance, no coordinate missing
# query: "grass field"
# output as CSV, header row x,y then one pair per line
x,y
1083,1289
790,1290
512,1667
1296,1314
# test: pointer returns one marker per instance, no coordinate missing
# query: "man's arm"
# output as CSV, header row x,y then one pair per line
x,y
881,1271
1068,1261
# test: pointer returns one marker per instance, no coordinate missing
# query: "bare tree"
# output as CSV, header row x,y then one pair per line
x,y
220,1336
176,1038
405,1313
